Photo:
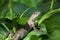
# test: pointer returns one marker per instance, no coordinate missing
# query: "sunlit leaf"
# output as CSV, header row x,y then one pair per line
x,y
10,16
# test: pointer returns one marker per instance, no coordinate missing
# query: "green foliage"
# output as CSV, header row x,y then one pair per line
x,y
53,30
23,20
14,13
32,35
30,3
2,32
2,2
52,24
10,16
47,15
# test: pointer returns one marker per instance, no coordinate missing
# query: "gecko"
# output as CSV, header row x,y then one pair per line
x,y
22,32
31,21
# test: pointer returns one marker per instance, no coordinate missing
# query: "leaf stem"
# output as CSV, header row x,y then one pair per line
x,y
47,15
10,6
52,3
24,12
5,27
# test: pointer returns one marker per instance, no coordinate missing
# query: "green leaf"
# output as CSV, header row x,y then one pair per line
x,y
3,11
32,35
9,37
10,16
53,26
47,15
23,20
30,3
2,32
2,2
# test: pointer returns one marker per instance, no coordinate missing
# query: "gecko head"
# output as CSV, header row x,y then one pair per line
x,y
37,13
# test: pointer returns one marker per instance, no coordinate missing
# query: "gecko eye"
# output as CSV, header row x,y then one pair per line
x,y
35,13
33,20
